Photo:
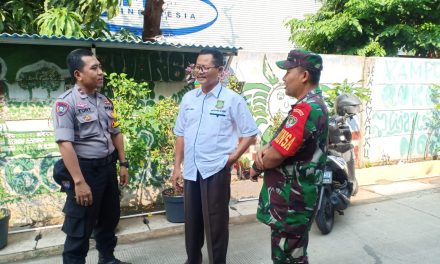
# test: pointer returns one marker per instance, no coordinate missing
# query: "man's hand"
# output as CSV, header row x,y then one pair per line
x,y
231,160
83,194
259,157
123,176
176,177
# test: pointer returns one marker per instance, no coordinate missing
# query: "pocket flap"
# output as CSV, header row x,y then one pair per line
x,y
72,209
87,118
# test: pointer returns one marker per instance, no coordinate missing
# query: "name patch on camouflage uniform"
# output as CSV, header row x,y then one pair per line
x,y
61,108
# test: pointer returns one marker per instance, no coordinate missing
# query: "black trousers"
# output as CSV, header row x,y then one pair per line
x,y
207,212
102,216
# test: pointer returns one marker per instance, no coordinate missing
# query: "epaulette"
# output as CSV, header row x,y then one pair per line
x,y
107,98
65,94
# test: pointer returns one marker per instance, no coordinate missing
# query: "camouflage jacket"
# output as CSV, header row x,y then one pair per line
x,y
289,194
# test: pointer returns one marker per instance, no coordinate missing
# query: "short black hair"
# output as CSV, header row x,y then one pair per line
x,y
216,54
74,60
315,75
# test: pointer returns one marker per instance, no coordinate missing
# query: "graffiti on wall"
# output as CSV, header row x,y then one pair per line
x,y
267,100
27,149
401,110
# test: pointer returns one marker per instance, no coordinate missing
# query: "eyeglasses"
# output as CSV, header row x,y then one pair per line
x,y
203,68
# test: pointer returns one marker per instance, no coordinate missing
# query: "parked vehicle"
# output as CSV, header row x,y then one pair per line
x,y
339,181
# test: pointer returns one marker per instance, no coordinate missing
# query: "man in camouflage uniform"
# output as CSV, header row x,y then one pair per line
x,y
293,162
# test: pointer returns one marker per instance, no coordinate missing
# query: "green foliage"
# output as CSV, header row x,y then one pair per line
x,y
356,88
147,127
371,28
124,34
70,18
162,118
60,21
18,16
130,109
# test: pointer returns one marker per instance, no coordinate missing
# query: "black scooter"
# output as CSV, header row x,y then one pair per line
x,y
339,181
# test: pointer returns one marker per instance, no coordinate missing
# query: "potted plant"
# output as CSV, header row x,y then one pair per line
x,y
5,215
174,206
162,156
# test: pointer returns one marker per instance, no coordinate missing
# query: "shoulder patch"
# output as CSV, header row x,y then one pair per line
x,y
61,108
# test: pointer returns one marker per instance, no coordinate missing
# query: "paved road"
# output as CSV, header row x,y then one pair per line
x,y
404,229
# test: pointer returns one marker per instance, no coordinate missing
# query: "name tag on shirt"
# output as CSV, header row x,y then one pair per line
x,y
217,112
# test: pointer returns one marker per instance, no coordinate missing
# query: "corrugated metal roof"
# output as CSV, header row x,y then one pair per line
x,y
164,45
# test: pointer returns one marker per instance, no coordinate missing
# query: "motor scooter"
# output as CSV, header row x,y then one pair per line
x,y
339,180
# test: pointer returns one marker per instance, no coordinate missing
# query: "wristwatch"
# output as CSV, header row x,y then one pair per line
x,y
124,164
257,170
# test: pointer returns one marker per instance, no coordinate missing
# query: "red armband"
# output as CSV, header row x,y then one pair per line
x,y
290,138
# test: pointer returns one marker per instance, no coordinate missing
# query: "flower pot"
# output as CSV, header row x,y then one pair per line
x,y
174,209
4,227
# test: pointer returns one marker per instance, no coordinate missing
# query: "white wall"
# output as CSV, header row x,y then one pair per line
x,y
252,25
400,91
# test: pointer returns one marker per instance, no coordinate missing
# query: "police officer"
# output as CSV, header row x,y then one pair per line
x,y
90,143
294,161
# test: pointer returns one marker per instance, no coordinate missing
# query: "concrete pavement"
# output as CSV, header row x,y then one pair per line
x,y
23,246
395,228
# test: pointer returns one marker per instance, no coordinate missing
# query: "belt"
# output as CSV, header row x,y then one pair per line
x,y
101,161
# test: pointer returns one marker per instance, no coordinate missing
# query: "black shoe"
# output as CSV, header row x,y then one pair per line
x,y
111,261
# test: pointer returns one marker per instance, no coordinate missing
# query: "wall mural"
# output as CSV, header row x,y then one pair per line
x,y
401,108
30,82
267,99
399,114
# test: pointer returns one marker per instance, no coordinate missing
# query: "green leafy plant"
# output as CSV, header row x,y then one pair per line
x,y
356,88
147,127
129,103
162,118
370,28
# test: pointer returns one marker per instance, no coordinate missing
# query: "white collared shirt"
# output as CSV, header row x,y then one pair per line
x,y
210,125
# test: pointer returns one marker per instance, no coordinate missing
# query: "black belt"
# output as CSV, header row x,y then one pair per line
x,y
101,161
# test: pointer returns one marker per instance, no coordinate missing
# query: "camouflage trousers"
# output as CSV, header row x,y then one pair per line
x,y
289,248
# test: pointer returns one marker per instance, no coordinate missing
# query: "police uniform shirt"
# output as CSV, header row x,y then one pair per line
x,y
87,121
210,124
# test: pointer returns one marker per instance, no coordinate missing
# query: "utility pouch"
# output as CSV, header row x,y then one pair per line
x,y
62,176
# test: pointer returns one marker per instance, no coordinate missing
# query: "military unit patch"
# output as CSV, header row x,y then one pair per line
x,y
291,120
61,108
